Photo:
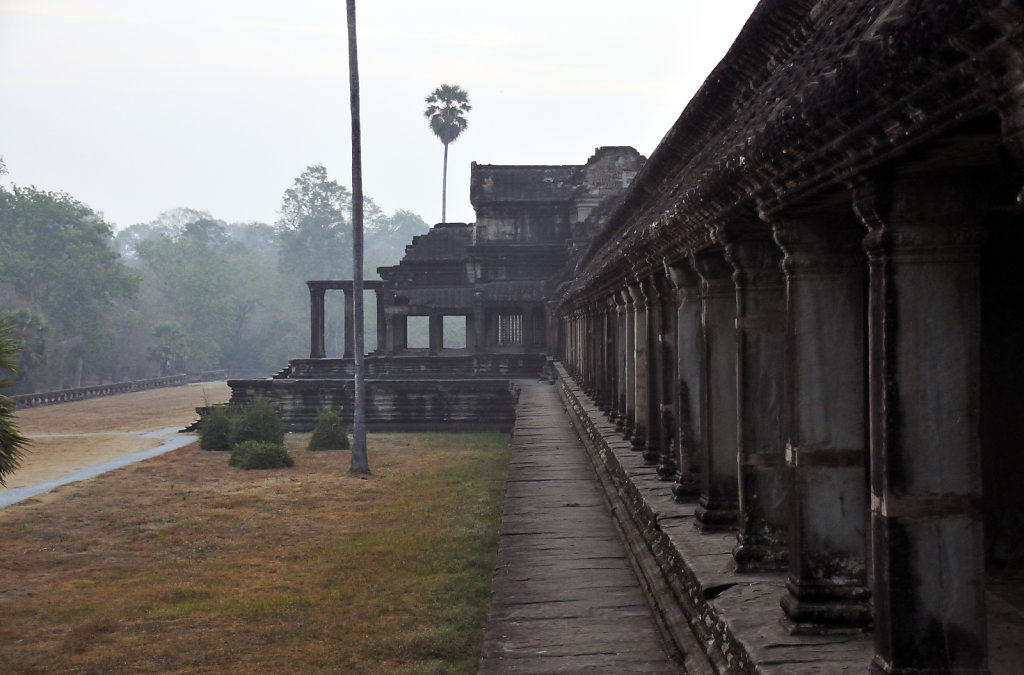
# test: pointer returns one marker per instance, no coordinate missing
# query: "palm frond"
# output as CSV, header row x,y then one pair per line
x,y
446,109
12,443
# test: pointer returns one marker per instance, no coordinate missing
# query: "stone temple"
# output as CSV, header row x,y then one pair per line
x,y
490,283
801,314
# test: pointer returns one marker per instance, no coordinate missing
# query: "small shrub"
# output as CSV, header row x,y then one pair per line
x,y
215,424
330,432
260,455
258,421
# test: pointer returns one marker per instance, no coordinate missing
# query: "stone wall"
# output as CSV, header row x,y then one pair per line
x,y
391,404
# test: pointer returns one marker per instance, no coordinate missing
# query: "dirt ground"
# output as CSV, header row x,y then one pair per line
x,y
114,428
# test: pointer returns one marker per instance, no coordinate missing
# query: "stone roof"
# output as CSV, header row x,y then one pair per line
x,y
445,242
811,93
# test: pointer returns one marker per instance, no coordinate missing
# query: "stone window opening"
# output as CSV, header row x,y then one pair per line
x,y
510,329
454,332
417,333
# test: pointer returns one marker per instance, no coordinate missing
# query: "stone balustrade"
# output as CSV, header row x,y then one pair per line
x,y
34,400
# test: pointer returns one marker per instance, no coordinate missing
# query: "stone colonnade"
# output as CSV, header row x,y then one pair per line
x,y
317,316
526,324
809,378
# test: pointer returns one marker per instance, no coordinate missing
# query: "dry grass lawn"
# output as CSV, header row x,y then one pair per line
x,y
181,564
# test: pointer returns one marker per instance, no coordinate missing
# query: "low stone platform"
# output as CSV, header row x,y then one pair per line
x,y
409,392
565,597
415,363
391,404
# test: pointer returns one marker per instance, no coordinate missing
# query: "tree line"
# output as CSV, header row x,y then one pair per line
x,y
186,292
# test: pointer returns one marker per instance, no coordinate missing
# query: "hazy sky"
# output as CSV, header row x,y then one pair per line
x,y
139,106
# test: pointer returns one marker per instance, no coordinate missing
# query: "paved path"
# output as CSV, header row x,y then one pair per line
x,y
172,440
565,598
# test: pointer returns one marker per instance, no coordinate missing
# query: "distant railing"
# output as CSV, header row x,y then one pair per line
x,y
22,401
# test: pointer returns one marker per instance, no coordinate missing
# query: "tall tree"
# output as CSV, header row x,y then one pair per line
x,y
360,464
314,228
446,112
226,297
58,261
32,335
12,443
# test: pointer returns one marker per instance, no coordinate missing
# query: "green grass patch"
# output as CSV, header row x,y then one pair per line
x,y
426,568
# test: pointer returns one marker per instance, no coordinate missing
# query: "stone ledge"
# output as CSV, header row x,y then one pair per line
x,y
703,604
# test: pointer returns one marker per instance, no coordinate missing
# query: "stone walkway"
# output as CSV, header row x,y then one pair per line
x,y
565,598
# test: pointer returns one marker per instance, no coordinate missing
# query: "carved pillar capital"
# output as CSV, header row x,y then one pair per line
x,y
750,250
624,296
681,274
922,214
819,241
714,271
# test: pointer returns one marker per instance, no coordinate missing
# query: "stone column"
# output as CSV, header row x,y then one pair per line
x,y
717,506
641,370
570,343
629,424
400,322
350,333
381,320
652,364
608,357
826,418
688,403
580,347
316,321
435,331
526,328
581,344
622,309
575,318
923,348
594,348
479,323
760,358
663,343
389,333
586,340
615,373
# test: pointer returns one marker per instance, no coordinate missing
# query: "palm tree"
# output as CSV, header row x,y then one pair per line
x,y
12,444
359,464
446,111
